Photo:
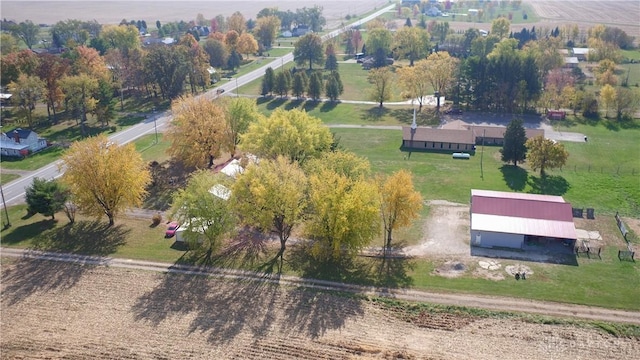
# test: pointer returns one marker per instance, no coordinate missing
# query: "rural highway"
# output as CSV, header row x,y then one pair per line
x,y
14,190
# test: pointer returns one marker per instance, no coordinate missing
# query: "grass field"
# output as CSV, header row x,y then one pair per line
x,y
590,178
5,178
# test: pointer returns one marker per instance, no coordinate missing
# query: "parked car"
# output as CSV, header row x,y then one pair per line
x,y
171,229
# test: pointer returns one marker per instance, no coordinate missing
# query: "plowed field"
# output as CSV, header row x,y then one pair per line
x,y
57,310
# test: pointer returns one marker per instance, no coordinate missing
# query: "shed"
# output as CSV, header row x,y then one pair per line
x,y
430,139
509,220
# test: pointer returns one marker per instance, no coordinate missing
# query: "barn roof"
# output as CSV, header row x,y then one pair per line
x,y
439,135
517,213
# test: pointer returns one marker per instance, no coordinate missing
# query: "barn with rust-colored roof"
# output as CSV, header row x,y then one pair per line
x,y
511,220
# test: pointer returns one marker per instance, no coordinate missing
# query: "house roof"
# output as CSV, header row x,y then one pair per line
x,y
517,213
571,60
580,51
22,133
460,133
232,169
439,135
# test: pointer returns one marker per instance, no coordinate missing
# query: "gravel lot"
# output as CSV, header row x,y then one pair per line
x,y
58,310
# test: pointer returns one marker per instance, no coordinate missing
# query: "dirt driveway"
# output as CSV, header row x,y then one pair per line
x,y
445,231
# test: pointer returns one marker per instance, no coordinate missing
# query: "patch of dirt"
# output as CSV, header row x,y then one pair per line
x,y
488,274
85,312
632,224
451,269
446,231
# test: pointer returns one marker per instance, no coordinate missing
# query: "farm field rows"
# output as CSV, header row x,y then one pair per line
x,y
144,315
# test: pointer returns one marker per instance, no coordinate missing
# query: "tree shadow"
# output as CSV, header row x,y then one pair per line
x,y
329,106
276,103
28,231
311,105
425,117
549,185
83,237
514,176
375,114
26,277
392,272
294,104
166,179
263,100
345,270
130,120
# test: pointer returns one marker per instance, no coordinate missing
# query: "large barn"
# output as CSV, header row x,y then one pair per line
x,y
516,220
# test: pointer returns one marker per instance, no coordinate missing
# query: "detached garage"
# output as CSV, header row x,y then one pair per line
x,y
513,220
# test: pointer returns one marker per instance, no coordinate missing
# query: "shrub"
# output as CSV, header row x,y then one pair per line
x,y
157,219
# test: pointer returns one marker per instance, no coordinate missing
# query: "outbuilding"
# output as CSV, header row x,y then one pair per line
x,y
516,220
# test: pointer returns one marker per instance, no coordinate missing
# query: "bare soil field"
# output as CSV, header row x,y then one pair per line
x,y
58,310
112,12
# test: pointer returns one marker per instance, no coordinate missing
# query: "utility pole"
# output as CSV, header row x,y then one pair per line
x,y
6,212
484,133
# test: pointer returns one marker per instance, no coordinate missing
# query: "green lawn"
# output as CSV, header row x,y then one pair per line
x,y
6,178
33,161
151,150
438,176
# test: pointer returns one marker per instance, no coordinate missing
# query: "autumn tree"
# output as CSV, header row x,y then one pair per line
x,y
293,134
343,215
382,80
198,131
205,217
14,64
400,204
79,95
103,177
515,137
122,37
217,52
237,23
331,62
413,82
545,154
239,113
267,30
247,44
341,162
271,195
8,43
411,43
308,49
197,64
501,27
45,197
441,71
231,40
378,44
27,91
627,102
167,67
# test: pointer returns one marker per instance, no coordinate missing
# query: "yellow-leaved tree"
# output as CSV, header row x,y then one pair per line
x,y
293,134
105,178
400,204
271,196
344,215
198,131
545,154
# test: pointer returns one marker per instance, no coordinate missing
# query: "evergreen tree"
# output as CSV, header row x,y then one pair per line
x,y
268,82
331,63
300,83
408,23
281,84
315,85
514,148
45,197
333,86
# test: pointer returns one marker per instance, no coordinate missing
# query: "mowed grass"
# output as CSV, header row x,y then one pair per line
x,y
6,178
438,176
33,161
152,151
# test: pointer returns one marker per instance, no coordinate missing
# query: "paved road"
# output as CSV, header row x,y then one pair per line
x,y
476,301
14,190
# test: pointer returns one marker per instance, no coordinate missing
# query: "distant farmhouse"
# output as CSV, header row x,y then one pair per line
x,y
20,143
456,137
